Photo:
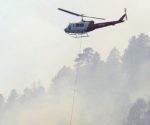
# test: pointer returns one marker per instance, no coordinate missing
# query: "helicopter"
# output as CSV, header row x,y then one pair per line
x,y
83,27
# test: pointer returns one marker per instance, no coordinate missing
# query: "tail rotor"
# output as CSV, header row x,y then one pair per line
x,y
125,10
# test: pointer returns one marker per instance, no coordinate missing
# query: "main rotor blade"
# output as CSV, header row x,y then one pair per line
x,y
69,12
76,14
95,17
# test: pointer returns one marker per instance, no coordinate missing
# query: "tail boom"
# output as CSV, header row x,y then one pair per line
x,y
105,24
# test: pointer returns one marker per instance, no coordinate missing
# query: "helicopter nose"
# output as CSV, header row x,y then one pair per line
x,y
66,30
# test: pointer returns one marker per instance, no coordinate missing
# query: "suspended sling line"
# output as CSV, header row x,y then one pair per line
x,y
75,86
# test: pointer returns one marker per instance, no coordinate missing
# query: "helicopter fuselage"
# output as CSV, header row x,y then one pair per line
x,y
87,26
80,27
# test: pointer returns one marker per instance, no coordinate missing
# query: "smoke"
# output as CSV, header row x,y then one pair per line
x,y
139,113
111,92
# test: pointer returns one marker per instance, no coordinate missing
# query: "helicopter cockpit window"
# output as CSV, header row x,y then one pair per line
x,y
81,25
69,27
77,25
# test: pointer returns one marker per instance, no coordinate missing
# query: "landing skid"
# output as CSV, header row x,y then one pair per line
x,y
79,35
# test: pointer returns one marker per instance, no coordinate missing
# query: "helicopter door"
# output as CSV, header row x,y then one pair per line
x,y
80,27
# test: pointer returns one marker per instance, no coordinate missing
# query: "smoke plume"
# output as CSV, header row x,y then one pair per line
x,y
111,92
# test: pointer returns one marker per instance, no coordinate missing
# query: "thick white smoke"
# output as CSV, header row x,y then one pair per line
x,y
108,91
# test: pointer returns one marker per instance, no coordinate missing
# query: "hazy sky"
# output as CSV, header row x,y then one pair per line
x,y
33,45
